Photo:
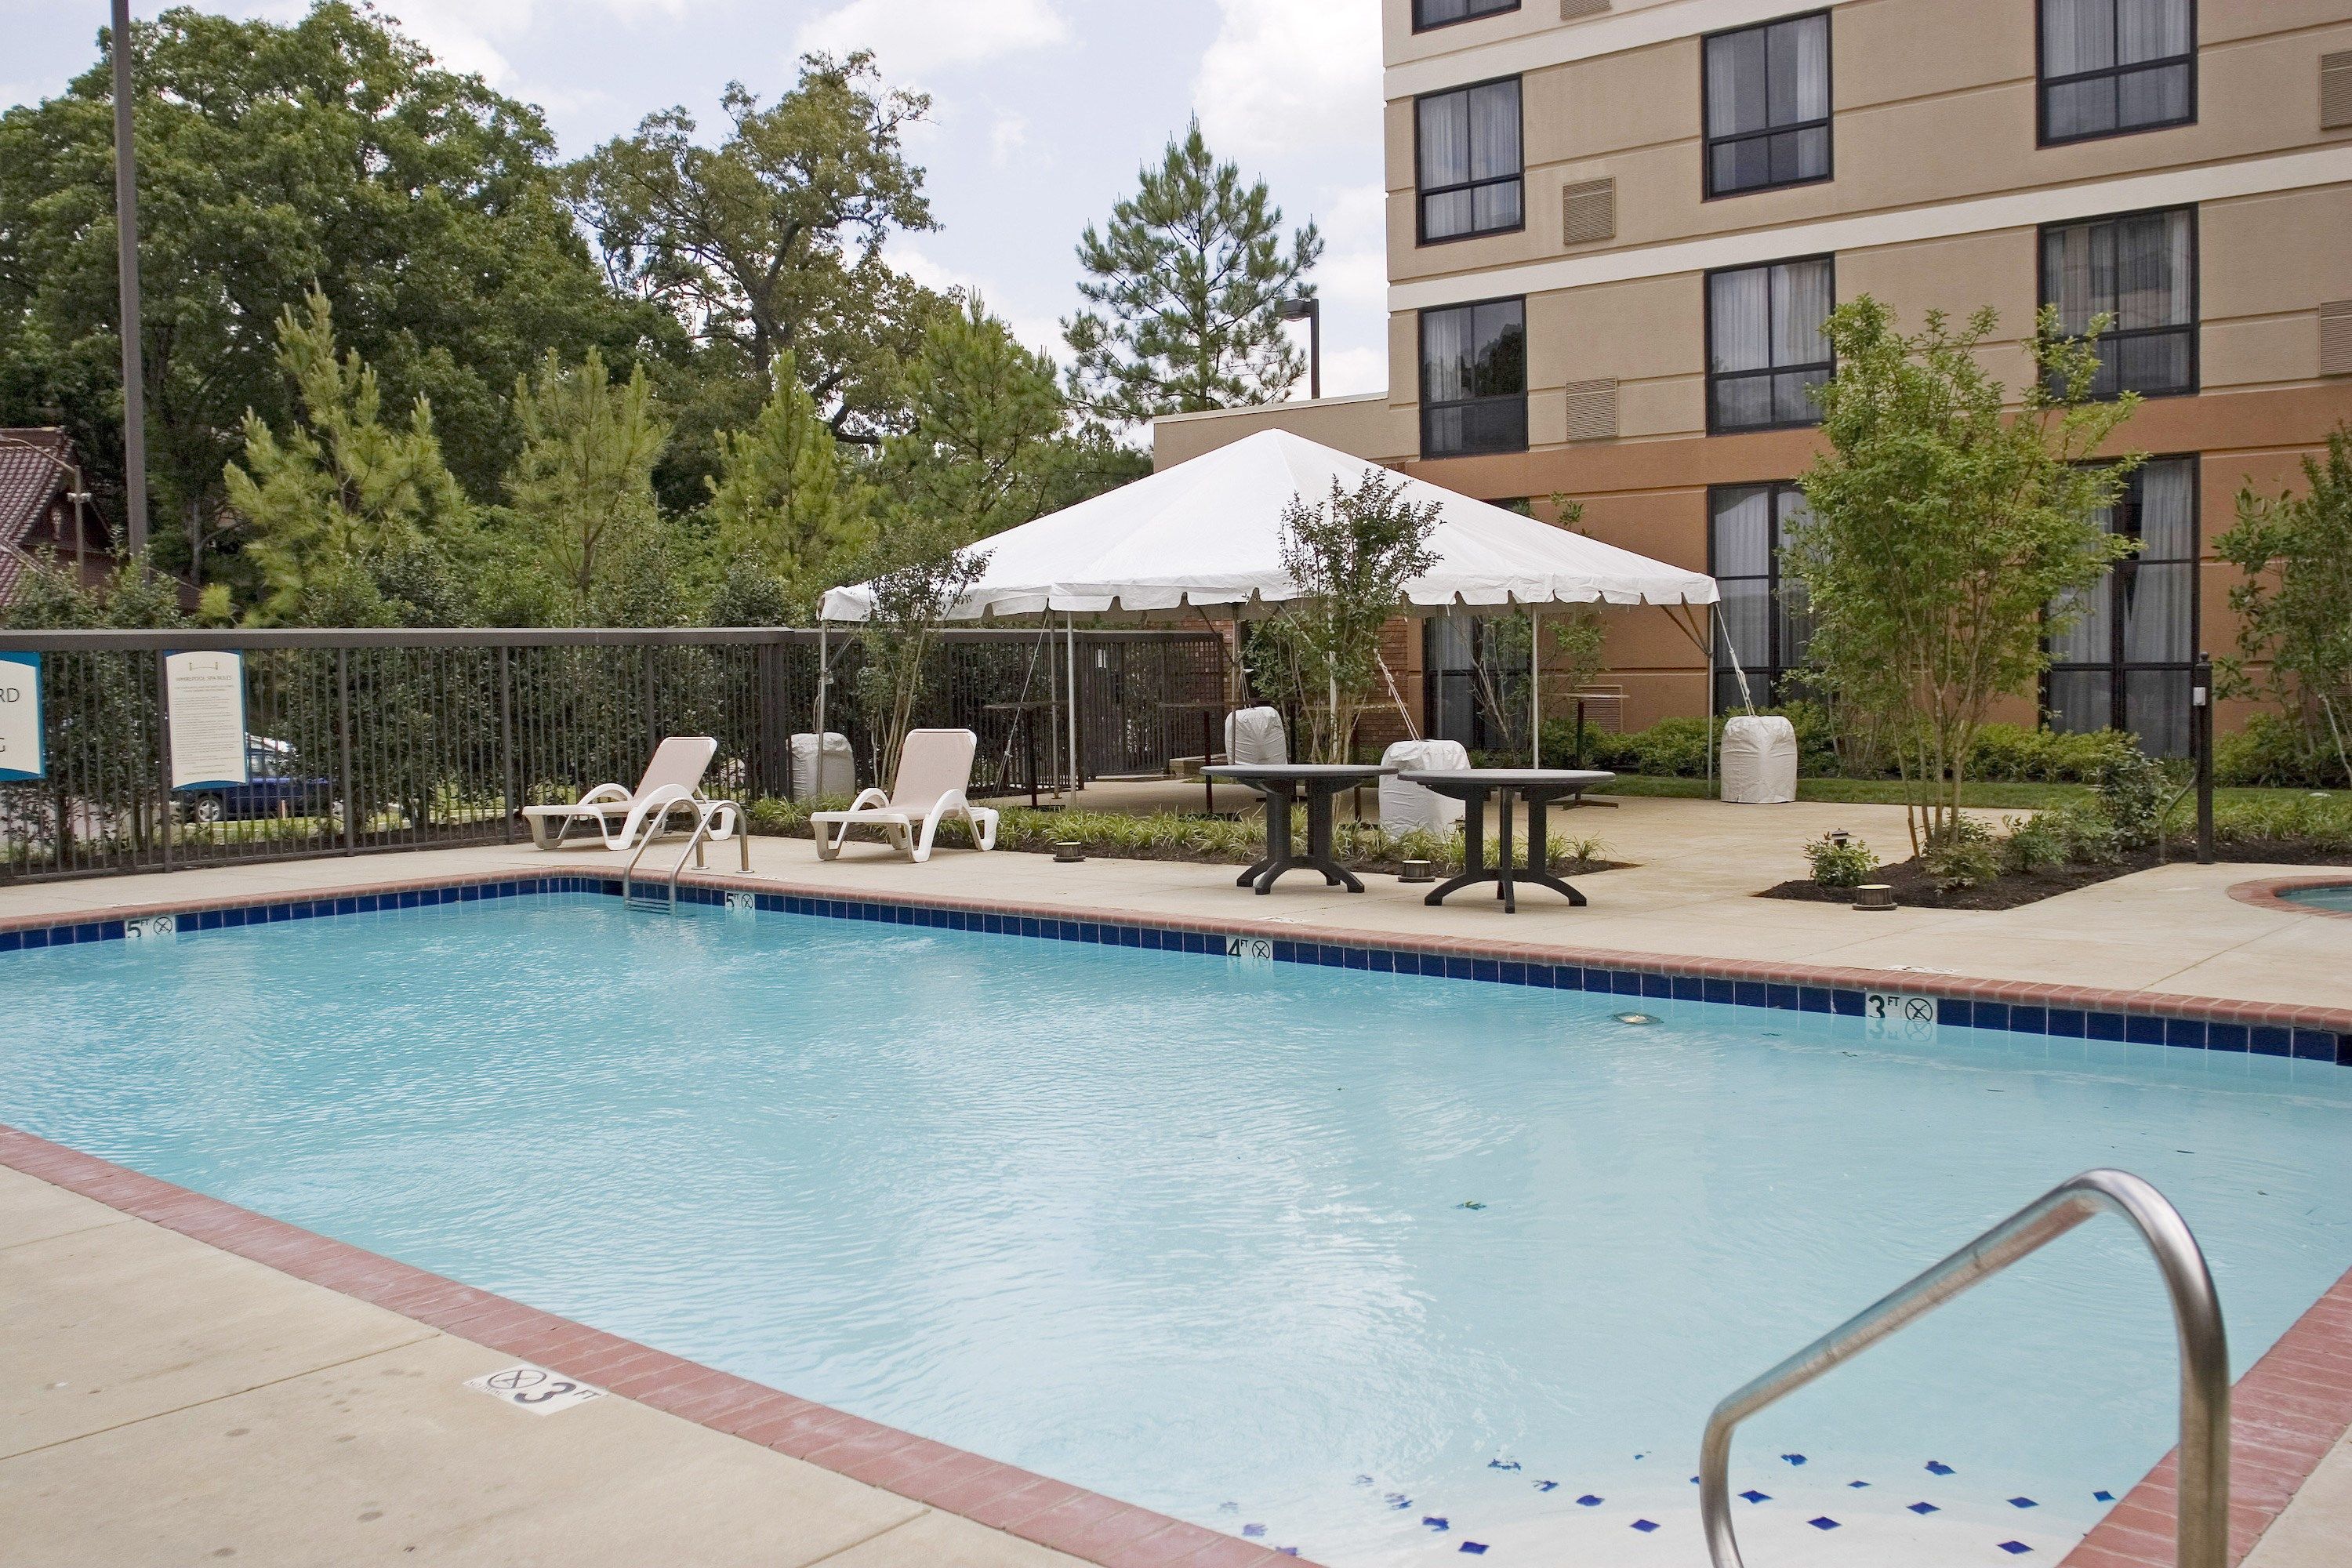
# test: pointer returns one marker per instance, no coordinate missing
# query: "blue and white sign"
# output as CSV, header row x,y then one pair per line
x,y
206,695
20,717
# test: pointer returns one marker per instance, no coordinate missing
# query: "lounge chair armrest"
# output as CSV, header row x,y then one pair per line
x,y
869,797
618,793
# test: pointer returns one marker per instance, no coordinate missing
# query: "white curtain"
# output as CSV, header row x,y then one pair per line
x,y
1800,304
2077,36
1494,116
1800,71
1446,355
1741,322
1444,140
2150,286
2151,30
1737,93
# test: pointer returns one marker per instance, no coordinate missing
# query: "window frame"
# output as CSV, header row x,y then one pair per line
x,y
1426,405
1778,669
2194,329
2118,667
1421,27
1827,122
2043,81
1707,305
1421,193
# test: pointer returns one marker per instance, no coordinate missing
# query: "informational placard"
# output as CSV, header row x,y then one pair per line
x,y
20,717
206,693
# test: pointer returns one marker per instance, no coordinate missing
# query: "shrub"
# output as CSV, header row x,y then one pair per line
x,y
2271,751
2319,821
1836,865
2037,843
2013,753
2131,789
1963,856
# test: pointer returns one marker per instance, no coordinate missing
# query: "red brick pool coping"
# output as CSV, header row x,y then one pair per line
x,y
2267,893
1085,1525
2292,1406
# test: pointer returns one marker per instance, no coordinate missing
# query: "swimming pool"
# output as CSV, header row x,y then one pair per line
x,y
2336,897
1331,1253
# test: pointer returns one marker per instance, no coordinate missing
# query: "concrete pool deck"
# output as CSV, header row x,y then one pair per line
x,y
169,1332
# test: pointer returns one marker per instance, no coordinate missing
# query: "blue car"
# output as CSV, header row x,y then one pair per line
x,y
276,787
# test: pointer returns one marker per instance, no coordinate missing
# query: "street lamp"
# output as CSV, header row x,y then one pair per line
x,y
1311,310
79,495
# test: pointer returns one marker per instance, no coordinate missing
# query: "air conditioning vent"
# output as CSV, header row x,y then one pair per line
x,y
1569,10
2335,93
1588,213
1592,410
2336,338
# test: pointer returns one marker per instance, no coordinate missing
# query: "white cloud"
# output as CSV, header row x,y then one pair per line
x,y
1355,267
1284,75
1006,137
1349,371
1043,333
913,37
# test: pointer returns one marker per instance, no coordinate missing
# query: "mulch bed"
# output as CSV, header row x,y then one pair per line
x,y
1914,888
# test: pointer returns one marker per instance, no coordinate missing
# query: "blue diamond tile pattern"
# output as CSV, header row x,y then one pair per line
x,y
2103,1497
1645,1525
2023,1502
1436,1522
1937,1468
1822,1521
1476,1547
1547,1486
1754,1495
1589,1500
1254,1532
2015,1548
1922,1509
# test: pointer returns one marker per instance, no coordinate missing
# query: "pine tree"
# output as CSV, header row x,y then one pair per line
x,y
582,485
785,506
1190,277
343,494
984,452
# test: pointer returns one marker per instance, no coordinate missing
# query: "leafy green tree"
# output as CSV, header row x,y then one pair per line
x,y
2295,608
1189,274
983,450
581,488
1950,532
917,576
785,505
1350,559
331,152
772,241
342,495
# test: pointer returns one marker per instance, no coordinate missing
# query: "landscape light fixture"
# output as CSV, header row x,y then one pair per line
x,y
1311,310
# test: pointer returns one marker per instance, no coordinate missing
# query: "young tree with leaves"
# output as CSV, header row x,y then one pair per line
x,y
1349,559
581,488
785,506
770,242
920,573
332,505
1950,532
1190,277
2295,608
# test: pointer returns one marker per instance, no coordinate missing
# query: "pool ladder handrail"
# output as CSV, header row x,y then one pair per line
x,y
2203,1532
728,817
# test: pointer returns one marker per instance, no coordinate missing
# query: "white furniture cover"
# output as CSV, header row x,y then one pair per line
x,y
1759,761
1254,737
834,779
1406,806
1209,531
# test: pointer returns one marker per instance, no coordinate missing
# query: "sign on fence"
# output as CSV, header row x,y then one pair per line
x,y
207,694
20,717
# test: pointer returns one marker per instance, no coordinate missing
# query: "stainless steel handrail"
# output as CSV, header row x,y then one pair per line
x,y
707,812
2203,1527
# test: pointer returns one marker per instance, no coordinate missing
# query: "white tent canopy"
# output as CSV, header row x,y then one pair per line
x,y
1209,533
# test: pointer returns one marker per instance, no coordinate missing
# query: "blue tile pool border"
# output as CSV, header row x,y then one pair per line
x,y
2057,1012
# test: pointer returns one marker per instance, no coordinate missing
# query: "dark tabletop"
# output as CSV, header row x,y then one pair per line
x,y
1274,773
1509,778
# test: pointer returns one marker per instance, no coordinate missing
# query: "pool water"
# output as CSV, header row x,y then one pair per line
x,y
1373,1266
2337,898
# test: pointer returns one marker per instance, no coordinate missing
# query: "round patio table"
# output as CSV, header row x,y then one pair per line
x,y
1538,787
1282,784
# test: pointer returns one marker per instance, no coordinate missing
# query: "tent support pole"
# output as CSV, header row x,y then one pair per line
x,y
823,679
1070,652
1709,707
1535,688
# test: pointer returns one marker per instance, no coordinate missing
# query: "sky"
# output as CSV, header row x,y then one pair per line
x,y
1042,112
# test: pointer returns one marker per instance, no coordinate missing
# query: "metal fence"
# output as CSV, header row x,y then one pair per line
x,y
361,741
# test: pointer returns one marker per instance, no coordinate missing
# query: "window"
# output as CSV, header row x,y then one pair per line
x,y
1768,106
2125,663
1473,379
1474,681
2109,67
1762,614
1468,153
1764,348
2141,269
1428,14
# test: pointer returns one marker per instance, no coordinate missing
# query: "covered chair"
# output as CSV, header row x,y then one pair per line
x,y
622,816
934,774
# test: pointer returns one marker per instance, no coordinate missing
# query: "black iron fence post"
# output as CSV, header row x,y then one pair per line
x,y
508,787
350,783
2201,711
164,751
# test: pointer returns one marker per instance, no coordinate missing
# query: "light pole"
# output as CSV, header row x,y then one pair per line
x,y
126,235
79,495
1311,310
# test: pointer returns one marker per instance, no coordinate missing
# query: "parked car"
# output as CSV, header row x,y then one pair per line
x,y
277,786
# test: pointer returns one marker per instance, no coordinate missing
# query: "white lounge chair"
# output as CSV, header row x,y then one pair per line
x,y
673,779
934,772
